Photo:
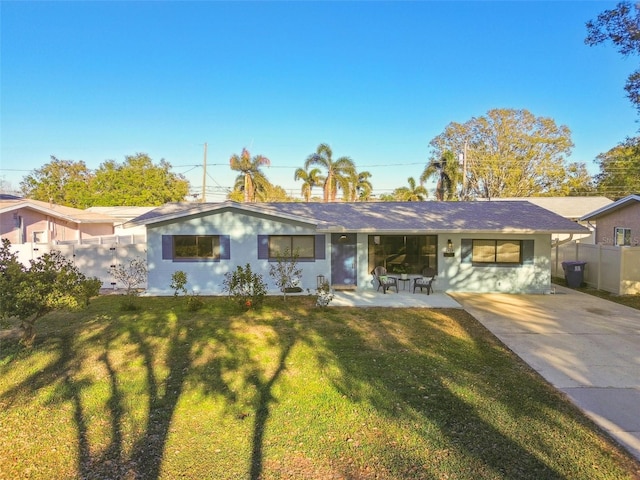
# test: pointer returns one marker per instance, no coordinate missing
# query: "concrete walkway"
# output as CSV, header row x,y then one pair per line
x,y
584,346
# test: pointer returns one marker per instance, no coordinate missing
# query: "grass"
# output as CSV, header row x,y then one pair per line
x,y
289,392
632,301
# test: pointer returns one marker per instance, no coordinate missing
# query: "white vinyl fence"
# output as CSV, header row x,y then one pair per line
x,y
93,259
609,268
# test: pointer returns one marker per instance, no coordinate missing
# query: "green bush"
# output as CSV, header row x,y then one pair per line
x,y
194,302
51,282
245,287
179,282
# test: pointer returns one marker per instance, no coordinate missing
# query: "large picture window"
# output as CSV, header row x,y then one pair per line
x,y
196,246
304,246
497,251
403,253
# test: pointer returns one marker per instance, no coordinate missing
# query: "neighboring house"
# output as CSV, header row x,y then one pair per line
x,y
474,246
123,215
572,208
31,221
618,223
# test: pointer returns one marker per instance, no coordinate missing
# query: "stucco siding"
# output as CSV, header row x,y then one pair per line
x,y
206,277
627,217
47,228
456,276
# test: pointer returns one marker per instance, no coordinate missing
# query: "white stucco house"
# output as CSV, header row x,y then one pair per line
x,y
474,246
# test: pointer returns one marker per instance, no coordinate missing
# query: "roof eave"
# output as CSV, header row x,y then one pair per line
x,y
242,207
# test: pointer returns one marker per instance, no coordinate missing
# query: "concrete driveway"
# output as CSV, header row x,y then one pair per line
x,y
584,346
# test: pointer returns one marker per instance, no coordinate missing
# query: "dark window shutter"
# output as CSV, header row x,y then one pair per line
x,y
466,248
167,247
527,252
263,247
225,247
320,247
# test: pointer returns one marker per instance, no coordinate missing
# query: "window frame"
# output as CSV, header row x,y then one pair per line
x,y
626,236
215,249
496,252
274,254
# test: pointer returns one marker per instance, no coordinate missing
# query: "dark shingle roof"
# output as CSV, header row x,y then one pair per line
x,y
506,217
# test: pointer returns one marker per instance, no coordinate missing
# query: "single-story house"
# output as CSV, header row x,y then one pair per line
x,y
473,246
24,220
618,223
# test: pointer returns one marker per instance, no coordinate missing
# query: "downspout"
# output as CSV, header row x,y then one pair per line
x,y
556,244
593,228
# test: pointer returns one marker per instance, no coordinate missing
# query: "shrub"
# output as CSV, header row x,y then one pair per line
x,y
245,287
51,282
179,282
194,302
131,276
325,295
285,272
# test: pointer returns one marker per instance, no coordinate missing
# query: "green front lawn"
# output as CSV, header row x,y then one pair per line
x,y
290,392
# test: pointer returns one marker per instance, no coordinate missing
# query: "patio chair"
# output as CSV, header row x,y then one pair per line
x,y
385,281
425,281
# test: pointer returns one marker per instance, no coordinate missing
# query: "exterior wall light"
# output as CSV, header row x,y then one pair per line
x,y
449,252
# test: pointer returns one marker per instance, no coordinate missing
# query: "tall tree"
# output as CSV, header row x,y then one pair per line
x,y
251,176
413,193
338,172
510,153
310,178
578,181
63,182
264,191
137,182
360,187
447,175
619,169
622,27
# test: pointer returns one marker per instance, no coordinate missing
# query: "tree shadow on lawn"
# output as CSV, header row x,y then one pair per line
x,y
412,370
164,349
399,365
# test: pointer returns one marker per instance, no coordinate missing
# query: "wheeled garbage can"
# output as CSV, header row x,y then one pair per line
x,y
573,273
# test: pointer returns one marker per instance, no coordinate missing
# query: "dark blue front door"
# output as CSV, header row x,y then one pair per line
x,y
343,259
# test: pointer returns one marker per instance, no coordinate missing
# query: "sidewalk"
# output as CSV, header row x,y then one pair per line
x,y
586,347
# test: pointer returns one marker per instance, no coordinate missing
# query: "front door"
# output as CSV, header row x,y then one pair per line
x,y
343,260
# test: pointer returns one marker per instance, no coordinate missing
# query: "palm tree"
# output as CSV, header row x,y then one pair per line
x,y
251,177
446,171
338,172
310,179
360,187
412,193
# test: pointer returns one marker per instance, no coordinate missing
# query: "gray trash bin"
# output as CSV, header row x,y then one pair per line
x,y
573,273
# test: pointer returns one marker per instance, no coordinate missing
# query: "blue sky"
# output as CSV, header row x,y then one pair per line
x,y
377,81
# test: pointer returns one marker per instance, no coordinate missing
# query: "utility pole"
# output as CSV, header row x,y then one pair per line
x,y
204,176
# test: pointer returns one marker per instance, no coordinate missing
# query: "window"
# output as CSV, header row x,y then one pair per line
x,y
304,246
196,246
623,236
497,251
403,253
